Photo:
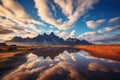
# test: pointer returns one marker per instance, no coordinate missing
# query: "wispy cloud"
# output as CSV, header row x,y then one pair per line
x,y
5,31
94,24
66,6
67,9
114,20
109,29
114,38
87,34
65,34
13,10
14,17
102,35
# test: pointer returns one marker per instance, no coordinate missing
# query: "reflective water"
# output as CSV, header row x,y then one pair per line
x,y
52,52
65,64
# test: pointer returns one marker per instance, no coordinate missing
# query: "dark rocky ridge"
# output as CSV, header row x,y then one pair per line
x,y
50,39
3,44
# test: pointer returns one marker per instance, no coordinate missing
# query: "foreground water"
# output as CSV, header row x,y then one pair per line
x,y
65,64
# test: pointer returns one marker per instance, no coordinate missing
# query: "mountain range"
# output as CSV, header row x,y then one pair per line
x,y
46,39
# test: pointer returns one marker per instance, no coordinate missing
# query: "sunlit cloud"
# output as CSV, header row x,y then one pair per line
x,y
65,34
64,63
63,17
109,29
59,70
15,11
67,9
114,20
94,24
100,34
5,31
66,6
14,17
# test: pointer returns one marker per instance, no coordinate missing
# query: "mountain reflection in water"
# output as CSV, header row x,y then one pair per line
x,y
65,65
52,52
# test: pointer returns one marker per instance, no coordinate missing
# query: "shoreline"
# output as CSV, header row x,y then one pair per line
x,y
12,63
11,60
104,51
18,57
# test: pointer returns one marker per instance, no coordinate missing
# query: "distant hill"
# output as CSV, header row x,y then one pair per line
x,y
3,44
46,39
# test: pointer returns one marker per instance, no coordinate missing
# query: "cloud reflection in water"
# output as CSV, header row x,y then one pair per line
x,y
65,66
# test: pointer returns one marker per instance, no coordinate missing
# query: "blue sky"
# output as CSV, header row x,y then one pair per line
x,y
97,21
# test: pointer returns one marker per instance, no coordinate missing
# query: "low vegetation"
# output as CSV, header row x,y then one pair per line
x,y
7,52
103,51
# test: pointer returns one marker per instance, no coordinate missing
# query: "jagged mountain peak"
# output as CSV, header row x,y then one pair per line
x,y
52,33
45,34
50,39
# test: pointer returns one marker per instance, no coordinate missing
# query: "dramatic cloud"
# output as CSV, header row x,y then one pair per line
x,y
13,10
65,34
58,16
15,18
87,34
109,29
60,70
18,30
106,39
7,24
65,66
101,37
93,24
109,39
4,37
43,11
5,31
46,68
67,8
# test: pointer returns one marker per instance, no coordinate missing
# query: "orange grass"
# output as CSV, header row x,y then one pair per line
x,y
104,51
5,55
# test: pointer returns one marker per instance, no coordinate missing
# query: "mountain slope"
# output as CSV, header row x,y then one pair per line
x,y
50,39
